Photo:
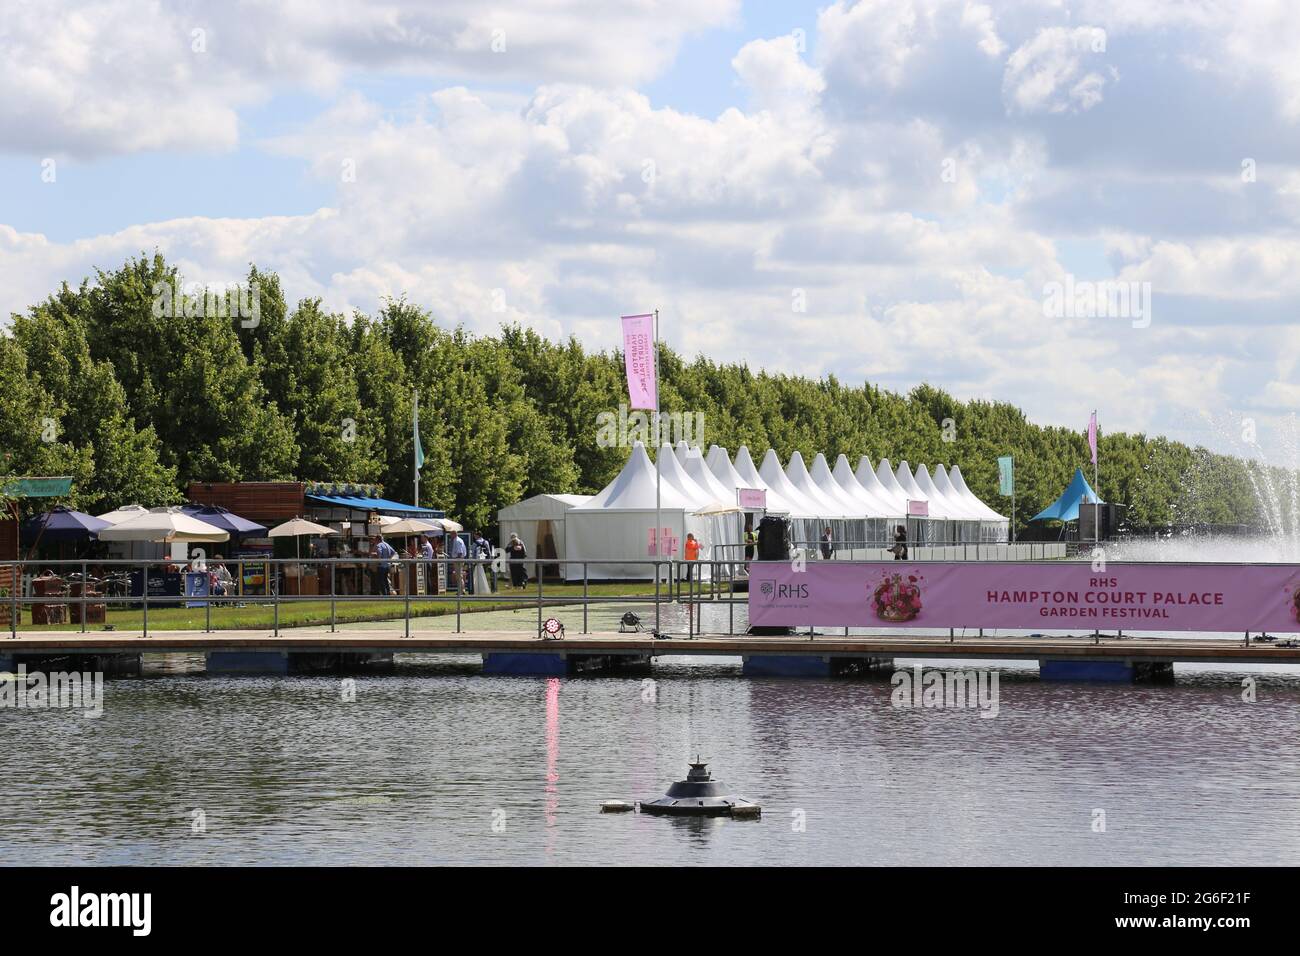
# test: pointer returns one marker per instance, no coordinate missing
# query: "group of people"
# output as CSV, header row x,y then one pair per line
x,y
457,553
899,548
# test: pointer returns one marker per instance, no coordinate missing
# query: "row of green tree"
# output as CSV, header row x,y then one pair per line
x,y
135,393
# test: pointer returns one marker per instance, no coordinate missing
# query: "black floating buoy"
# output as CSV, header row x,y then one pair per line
x,y
699,795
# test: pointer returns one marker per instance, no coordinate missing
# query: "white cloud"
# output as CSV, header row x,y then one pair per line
x,y
1048,74
917,183
119,76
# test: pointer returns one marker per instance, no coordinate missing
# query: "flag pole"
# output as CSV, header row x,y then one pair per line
x,y
1096,486
415,451
659,471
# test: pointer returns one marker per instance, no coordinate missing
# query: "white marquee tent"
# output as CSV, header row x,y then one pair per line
x,y
615,526
539,522
861,507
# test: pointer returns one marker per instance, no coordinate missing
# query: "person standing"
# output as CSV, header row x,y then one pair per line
x,y
457,553
900,543
516,552
385,552
426,554
828,549
751,539
692,554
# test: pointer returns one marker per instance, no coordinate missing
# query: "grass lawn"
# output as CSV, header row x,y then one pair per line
x,y
312,611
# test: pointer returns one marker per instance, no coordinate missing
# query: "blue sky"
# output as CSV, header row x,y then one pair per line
x,y
885,191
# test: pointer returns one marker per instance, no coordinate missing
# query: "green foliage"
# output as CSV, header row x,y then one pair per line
x,y
148,390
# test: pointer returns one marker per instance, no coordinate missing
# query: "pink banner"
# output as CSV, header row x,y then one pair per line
x,y
752,498
639,357
918,509
1092,437
1025,595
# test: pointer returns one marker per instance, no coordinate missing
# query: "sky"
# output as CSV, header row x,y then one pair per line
x,y
897,192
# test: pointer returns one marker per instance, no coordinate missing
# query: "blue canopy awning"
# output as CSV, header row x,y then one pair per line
x,y
381,505
1066,507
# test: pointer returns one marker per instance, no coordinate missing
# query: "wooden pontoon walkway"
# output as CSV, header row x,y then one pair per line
x,y
355,640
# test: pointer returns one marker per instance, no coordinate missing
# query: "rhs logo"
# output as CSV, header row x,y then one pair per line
x,y
772,590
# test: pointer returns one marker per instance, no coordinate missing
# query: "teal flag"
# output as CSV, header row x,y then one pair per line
x,y
1006,475
419,452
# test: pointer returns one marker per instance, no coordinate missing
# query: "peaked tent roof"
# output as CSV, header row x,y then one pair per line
x,y
827,507
888,481
747,470
822,477
905,481
868,479
779,484
875,505
1066,507
723,470
677,476
941,505
955,483
706,479
633,489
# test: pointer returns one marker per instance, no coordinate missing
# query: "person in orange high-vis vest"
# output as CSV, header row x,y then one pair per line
x,y
692,553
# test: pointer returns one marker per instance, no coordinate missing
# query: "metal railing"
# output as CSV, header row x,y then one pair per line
x,y
693,585
918,551
106,589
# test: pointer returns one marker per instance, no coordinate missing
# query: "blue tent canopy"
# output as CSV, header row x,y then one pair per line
x,y
224,518
1066,507
62,524
381,505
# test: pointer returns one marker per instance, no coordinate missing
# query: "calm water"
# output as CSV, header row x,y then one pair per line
x,y
419,767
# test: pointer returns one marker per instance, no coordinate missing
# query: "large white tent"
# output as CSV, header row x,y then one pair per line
x,y
615,527
539,522
699,497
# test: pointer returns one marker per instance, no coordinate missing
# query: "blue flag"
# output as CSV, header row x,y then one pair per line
x,y
419,452
1006,475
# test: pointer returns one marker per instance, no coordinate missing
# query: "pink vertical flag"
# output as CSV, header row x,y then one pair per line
x,y
1092,436
639,357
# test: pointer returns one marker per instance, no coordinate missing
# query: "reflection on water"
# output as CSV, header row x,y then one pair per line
x,y
412,770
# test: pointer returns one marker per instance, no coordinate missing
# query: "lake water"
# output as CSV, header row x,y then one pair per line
x,y
437,764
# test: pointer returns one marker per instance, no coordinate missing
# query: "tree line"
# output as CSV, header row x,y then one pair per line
x,y
135,393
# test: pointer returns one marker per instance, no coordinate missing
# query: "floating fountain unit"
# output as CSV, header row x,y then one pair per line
x,y
699,795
